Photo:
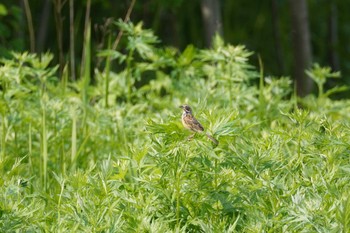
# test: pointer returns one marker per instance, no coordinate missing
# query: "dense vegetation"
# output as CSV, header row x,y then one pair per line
x,y
265,27
112,156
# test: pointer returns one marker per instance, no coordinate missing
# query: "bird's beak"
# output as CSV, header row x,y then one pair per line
x,y
181,106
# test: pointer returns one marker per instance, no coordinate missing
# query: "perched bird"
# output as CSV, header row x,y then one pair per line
x,y
191,123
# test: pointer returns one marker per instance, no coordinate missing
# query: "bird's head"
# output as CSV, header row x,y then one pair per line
x,y
186,108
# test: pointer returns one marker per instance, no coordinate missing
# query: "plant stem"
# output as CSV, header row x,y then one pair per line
x,y
3,139
74,142
299,139
261,90
30,147
178,190
107,71
127,17
44,145
128,74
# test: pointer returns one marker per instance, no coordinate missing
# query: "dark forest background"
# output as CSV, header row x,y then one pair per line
x,y
288,35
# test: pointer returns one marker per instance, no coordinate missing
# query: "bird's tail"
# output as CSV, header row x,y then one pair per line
x,y
212,138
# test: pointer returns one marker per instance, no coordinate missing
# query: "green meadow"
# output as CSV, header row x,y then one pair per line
x,y
109,153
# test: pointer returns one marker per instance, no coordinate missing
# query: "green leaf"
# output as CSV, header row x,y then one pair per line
x,y
3,10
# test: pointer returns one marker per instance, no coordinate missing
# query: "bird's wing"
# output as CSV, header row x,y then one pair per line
x,y
193,124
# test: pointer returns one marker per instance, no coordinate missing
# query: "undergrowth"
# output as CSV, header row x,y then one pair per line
x,y
113,156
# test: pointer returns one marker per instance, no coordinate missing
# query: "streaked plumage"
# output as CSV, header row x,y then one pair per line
x,y
190,122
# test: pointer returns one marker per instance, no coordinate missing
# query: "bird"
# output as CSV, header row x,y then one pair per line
x,y
191,123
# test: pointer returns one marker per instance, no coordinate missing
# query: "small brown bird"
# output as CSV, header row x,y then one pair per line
x,y
191,123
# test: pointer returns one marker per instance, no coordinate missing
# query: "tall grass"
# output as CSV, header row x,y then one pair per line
x,y
113,155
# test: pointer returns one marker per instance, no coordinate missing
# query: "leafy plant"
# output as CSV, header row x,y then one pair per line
x,y
112,156
320,76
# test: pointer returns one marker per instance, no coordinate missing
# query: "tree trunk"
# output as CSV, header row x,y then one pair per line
x,y
332,40
277,37
301,45
211,16
43,26
58,5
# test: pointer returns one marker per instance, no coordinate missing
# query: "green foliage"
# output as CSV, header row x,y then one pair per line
x,y
113,156
10,18
3,10
320,76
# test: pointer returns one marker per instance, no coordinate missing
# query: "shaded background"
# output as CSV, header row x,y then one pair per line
x,y
274,29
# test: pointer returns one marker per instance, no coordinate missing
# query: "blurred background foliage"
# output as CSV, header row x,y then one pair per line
x,y
262,26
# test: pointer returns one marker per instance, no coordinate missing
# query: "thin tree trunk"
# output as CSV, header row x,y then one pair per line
x,y
22,22
333,37
59,30
71,39
301,45
30,25
277,37
212,22
43,26
85,56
